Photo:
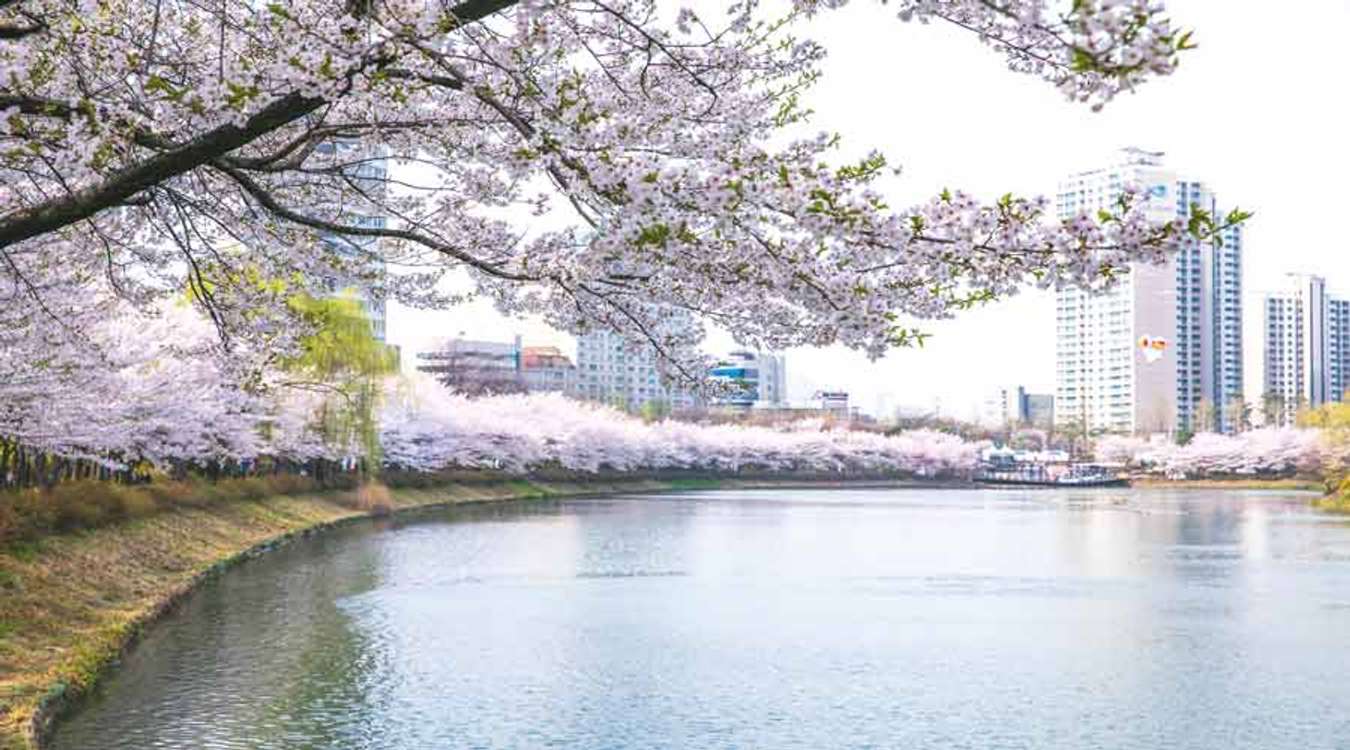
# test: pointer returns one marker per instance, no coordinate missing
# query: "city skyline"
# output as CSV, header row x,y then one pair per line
x,y
1244,100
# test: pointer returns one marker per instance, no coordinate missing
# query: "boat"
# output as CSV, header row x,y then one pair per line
x,y
1048,475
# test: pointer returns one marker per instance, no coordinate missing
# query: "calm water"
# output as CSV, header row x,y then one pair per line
x,y
784,619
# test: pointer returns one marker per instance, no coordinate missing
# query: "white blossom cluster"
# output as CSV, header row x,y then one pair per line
x,y
130,387
1092,50
1267,451
596,163
426,428
161,392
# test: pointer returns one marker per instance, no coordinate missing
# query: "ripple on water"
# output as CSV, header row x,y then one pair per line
x,y
852,619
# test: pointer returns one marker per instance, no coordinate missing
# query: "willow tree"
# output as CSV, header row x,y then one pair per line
x,y
344,365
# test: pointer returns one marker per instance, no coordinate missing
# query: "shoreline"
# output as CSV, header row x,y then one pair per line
x,y
1286,485
91,595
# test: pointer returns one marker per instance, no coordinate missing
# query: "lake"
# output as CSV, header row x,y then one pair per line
x,y
865,618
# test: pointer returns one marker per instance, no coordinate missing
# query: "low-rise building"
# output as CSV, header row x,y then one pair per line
x,y
752,379
476,367
546,369
486,367
834,403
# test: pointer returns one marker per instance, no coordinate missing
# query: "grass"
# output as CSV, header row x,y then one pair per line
x,y
23,550
74,598
91,504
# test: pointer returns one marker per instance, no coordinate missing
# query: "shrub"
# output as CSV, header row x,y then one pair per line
x,y
288,484
89,503
170,493
374,498
251,488
135,502
10,520
77,505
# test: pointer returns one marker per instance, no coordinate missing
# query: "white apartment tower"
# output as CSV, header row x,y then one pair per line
x,y
1162,350
368,172
613,371
1305,347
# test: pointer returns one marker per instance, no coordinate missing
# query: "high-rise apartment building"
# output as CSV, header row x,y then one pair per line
x,y
1162,350
612,371
1305,352
1013,406
368,172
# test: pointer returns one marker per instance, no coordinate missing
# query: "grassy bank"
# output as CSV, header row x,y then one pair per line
x,y
73,602
86,504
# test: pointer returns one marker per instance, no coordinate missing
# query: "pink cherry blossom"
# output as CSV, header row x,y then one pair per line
x,y
599,163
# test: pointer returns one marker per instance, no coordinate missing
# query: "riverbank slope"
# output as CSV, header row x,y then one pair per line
x,y
73,603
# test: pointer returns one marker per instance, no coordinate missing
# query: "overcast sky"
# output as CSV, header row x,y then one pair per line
x,y
1259,112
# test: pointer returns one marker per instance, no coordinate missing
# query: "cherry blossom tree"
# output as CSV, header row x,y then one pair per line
x,y
1119,449
600,163
426,428
131,387
596,162
1278,451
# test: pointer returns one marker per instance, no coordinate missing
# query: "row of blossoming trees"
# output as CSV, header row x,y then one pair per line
x,y
155,408
158,403
426,428
1278,451
595,163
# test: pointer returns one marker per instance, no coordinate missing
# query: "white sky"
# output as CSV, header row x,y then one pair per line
x,y
1259,112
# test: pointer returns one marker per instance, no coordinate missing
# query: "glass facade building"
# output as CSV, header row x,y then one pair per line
x,y
752,379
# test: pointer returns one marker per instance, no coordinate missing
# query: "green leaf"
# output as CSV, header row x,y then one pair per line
x,y
1082,61
157,84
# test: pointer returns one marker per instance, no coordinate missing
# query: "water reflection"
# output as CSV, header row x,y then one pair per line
x,y
992,619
